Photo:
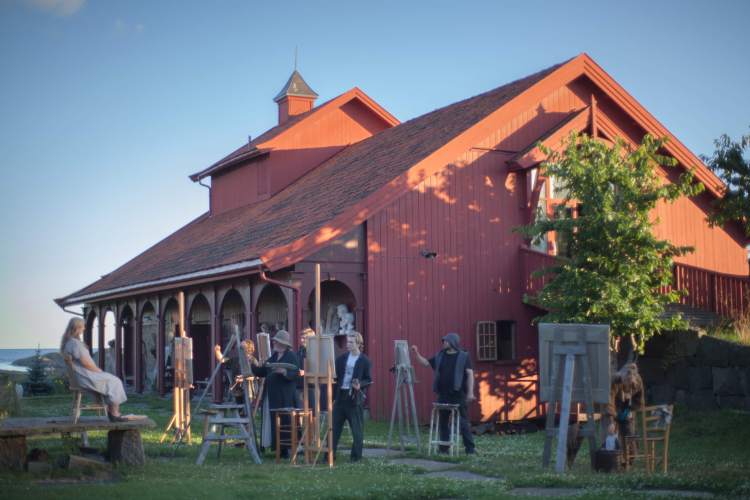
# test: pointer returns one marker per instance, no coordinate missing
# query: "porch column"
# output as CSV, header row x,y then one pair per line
x,y
102,348
160,351
118,349
138,349
250,320
216,340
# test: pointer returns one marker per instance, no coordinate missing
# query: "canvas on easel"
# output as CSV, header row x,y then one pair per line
x,y
404,411
264,347
573,367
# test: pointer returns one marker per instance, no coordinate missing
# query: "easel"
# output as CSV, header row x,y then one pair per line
x,y
218,417
183,380
404,406
311,435
564,358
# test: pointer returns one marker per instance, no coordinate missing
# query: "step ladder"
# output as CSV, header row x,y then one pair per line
x,y
219,418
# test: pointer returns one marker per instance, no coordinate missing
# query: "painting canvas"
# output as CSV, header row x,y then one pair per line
x,y
183,365
401,349
264,347
596,339
322,344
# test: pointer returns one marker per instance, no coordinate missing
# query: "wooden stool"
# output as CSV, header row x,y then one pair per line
x,y
296,421
216,419
453,422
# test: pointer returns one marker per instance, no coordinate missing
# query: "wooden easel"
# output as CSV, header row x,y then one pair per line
x,y
404,406
183,380
565,358
221,416
314,443
315,439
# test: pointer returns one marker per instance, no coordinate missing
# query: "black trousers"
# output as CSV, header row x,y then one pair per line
x,y
349,409
460,400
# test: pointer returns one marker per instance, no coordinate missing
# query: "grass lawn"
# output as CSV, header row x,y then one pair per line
x,y
710,452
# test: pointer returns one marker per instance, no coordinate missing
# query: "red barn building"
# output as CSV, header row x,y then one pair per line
x,y
412,225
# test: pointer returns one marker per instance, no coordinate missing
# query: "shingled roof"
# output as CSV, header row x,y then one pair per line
x,y
347,179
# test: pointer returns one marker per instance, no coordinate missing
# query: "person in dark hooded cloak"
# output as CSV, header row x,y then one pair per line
x,y
453,383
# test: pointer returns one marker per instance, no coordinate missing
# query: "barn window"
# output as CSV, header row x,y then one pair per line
x,y
496,340
486,341
506,340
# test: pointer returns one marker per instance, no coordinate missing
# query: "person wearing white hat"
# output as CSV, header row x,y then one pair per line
x,y
280,389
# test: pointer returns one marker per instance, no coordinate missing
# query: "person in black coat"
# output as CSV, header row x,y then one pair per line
x,y
280,389
352,379
453,382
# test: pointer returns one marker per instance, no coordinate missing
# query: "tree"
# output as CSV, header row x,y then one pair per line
x,y
731,162
37,380
615,267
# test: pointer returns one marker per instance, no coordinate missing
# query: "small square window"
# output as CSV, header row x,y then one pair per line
x,y
496,340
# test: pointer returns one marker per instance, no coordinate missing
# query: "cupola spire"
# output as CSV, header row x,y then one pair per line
x,y
295,98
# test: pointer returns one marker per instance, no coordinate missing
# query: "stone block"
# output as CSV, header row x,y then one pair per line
x,y
651,370
733,402
39,467
685,344
700,378
661,394
681,397
678,375
726,382
126,447
702,400
713,351
745,381
658,345
739,355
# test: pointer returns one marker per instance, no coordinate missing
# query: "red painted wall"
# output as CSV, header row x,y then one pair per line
x,y
302,148
466,214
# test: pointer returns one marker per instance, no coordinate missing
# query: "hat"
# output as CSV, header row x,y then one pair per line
x,y
453,340
282,337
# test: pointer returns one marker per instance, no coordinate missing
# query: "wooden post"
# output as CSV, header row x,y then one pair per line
x,y
316,391
138,350
567,391
119,350
100,335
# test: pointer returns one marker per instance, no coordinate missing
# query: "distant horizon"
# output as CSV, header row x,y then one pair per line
x,y
108,107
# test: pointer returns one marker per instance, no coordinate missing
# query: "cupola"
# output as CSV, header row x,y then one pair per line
x,y
295,98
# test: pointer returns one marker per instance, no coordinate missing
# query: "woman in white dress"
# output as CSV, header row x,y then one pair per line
x,y
88,375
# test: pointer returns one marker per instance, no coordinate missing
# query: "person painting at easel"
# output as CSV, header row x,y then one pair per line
x,y
280,390
352,378
232,362
453,383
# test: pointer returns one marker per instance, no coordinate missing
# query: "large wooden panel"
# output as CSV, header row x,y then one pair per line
x,y
596,339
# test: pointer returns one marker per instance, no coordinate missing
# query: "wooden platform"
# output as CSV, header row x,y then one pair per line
x,y
124,442
52,425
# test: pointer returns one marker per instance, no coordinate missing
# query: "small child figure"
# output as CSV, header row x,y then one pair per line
x,y
612,441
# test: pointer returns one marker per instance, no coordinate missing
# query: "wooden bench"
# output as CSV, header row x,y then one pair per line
x,y
124,442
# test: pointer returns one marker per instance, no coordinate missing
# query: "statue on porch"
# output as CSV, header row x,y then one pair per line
x,y
346,320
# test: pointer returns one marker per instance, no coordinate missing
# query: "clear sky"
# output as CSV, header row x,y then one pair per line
x,y
107,107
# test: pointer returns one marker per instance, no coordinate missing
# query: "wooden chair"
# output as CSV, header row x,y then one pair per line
x,y
657,422
78,391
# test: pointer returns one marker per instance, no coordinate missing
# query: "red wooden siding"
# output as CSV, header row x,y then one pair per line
x,y
466,214
293,155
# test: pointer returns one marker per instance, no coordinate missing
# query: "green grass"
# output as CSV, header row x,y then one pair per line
x,y
709,452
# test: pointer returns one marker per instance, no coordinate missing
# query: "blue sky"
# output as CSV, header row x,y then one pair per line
x,y
106,107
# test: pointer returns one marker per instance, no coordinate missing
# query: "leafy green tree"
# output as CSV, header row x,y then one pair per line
x,y
37,380
616,267
731,162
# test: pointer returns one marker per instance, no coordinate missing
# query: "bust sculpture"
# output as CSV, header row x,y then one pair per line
x,y
346,320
